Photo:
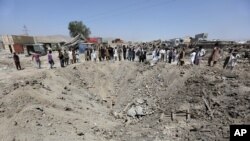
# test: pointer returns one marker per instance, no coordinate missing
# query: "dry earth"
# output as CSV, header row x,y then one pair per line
x,y
121,101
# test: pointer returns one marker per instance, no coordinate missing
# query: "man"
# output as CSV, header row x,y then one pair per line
x,y
124,52
116,54
66,57
103,53
181,57
215,56
192,57
139,53
50,59
61,58
107,54
70,56
74,55
133,54
111,53
37,59
119,53
17,61
100,53
162,53
198,56
170,56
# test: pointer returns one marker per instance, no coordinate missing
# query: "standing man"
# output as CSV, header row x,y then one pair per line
x,y
70,56
124,52
162,53
181,57
119,53
170,56
215,56
116,53
198,56
66,57
61,57
17,61
74,55
133,53
37,59
50,59
192,57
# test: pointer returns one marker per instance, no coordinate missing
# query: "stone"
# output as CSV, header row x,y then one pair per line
x,y
80,134
15,123
68,109
39,109
140,101
131,112
139,111
27,82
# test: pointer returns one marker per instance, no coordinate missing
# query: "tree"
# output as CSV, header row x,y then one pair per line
x,y
77,27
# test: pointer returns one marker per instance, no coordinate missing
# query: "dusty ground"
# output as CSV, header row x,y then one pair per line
x,y
91,101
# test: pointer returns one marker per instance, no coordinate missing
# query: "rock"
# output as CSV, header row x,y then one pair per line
x,y
68,109
38,124
131,112
27,82
139,111
2,110
74,68
50,124
140,101
117,115
80,134
15,123
233,114
39,109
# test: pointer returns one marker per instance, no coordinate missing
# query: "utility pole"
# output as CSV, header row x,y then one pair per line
x,y
25,30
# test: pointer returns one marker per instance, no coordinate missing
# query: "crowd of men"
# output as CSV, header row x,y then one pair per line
x,y
108,53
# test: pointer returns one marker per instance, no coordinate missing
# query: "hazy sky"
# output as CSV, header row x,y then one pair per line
x,y
129,19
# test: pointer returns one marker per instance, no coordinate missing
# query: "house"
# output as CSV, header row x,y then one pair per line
x,y
21,42
7,43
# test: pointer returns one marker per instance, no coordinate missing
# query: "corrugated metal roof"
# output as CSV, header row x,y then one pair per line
x,y
52,39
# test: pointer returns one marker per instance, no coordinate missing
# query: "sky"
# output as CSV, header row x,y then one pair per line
x,y
134,20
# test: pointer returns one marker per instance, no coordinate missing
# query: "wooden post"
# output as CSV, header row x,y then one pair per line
x,y
188,114
173,116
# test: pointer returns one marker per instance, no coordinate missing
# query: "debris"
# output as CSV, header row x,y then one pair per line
x,y
67,109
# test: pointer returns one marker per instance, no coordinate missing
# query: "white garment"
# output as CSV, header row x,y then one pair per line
x,y
116,53
192,57
77,55
70,55
154,54
232,61
94,55
162,51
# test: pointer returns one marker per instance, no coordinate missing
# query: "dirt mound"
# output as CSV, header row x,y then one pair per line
x,y
123,101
